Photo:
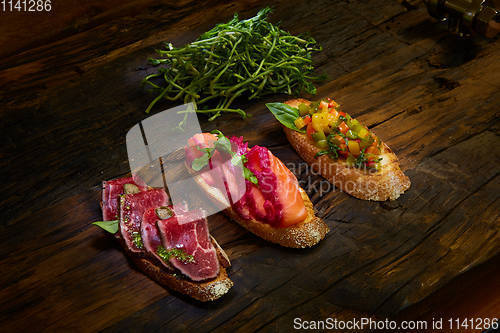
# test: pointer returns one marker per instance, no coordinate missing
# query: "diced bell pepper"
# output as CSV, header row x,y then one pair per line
x,y
321,121
363,133
304,109
373,150
351,135
310,130
354,147
323,144
307,119
323,106
299,123
343,127
355,125
333,104
318,136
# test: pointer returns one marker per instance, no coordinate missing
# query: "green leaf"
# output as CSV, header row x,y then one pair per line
x,y
223,144
109,226
200,162
250,176
361,159
237,160
285,114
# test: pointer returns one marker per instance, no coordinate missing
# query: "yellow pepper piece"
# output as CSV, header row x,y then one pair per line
x,y
321,120
317,121
354,147
299,123
363,133
331,118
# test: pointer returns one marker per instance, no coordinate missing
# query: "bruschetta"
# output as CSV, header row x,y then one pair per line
x,y
171,245
269,202
341,149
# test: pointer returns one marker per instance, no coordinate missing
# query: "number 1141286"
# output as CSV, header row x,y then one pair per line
x,y
25,5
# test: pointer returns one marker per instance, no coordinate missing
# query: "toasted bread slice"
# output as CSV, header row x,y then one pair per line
x,y
203,291
387,183
304,234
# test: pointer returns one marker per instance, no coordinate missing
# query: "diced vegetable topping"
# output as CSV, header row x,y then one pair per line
x,y
338,134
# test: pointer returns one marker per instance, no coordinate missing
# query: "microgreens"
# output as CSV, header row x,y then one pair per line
x,y
223,144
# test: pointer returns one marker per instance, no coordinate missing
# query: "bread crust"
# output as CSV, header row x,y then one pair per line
x,y
203,291
301,235
387,183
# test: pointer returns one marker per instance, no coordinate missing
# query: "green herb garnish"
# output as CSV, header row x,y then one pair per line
x,y
285,114
202,161
223,144
250,176
109,226
360,160
137,239
321,153
241,58
177,253
333,148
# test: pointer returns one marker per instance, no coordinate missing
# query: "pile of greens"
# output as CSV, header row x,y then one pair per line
x,y
248,58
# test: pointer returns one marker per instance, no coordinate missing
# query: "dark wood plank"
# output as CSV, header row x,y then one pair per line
x,y
478,287
67,105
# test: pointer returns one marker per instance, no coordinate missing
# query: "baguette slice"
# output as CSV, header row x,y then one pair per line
x,y
387,183
203,291
304,234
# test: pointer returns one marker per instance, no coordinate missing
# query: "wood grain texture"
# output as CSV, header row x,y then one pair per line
x,y
68,103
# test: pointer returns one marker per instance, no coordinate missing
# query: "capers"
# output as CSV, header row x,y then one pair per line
x,y
164,212
130,189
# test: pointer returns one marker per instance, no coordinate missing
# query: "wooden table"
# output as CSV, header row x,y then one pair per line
x,y
70,90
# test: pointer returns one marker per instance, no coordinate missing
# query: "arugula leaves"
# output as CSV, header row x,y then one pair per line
x,y
177,253
250,176
109,226
223,144
285,114
113,226
236,160
202,161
